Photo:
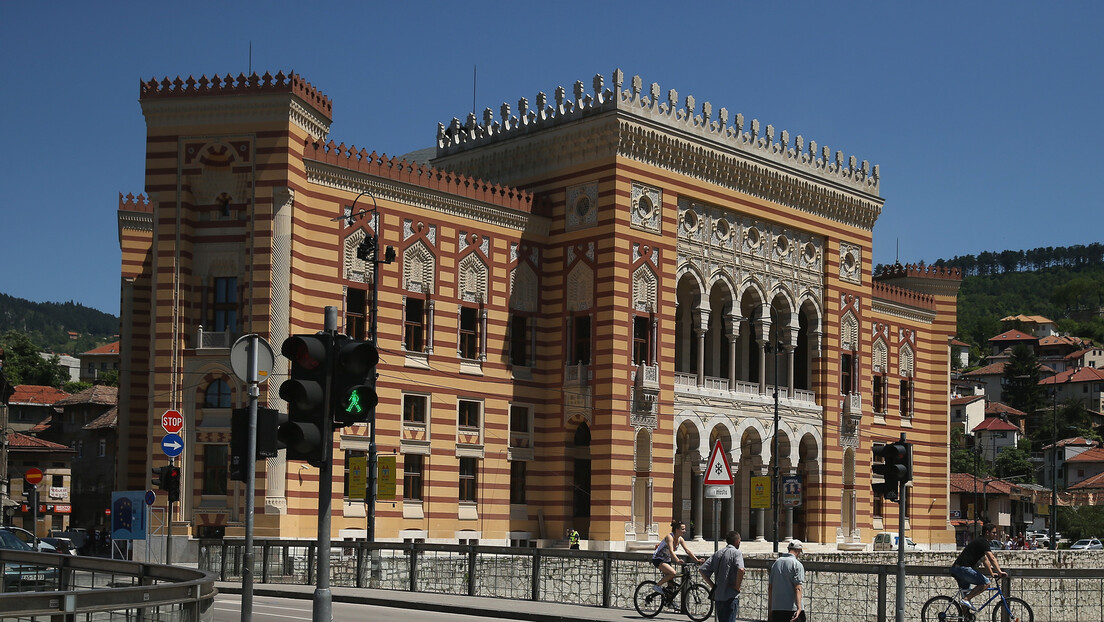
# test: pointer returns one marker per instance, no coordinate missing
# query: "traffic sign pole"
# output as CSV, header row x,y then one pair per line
x,y
718,475
250,482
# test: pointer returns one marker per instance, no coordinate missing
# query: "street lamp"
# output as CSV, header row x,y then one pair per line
x,y
775,348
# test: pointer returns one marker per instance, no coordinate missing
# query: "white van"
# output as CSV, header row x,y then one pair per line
x,y
887,541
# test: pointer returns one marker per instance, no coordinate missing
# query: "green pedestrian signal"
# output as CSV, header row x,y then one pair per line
x,y
354,381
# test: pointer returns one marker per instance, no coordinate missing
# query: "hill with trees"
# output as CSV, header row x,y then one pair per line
x,y
47,324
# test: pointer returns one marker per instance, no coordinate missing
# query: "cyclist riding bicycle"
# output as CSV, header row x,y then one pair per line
x,y
665,555
967,574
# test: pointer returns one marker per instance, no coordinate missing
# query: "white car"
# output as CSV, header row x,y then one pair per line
x,y
1085,544
887,541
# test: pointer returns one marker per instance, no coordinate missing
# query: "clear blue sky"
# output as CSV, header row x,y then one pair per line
x,y
987,118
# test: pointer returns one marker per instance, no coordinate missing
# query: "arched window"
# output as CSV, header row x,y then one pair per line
x,y
218,395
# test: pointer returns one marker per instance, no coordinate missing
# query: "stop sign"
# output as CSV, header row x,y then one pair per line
x,y
33,476
172,421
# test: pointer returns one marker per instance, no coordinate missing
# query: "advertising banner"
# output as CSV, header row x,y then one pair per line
x,y
385,478
791,491
358,477
760,491
128,515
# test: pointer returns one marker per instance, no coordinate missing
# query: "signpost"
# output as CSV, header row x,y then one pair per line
x,y
172,421
718,481
33,476
172,445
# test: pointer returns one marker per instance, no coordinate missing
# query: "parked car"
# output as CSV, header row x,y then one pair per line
x,y
78,536
887,541
1085,544
29,539
63,545
25,577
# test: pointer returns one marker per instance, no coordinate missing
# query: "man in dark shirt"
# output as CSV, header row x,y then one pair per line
x,y
965,571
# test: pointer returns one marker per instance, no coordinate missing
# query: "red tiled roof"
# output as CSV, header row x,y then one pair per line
x,y
109,419
998,408
17,441
1014,335
956,342
965,482
35,395
1077,441
1080,374
111,348
1036,319
1096,454
99,394
994,424
1082,352
1058,340
988,370
969,399
1096,481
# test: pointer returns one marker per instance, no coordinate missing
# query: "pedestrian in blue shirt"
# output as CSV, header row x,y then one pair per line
x,y
724,572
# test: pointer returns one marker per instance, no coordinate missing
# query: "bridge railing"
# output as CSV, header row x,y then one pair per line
x,y
47,584
840,591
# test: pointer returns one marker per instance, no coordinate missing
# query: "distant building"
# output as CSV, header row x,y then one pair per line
x,y
31,404
55,462
97,361
70,363
87,423
1085,384
967,412
994,435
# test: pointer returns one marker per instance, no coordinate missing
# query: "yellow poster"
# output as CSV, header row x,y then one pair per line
x,y
385,478
760,491
358,477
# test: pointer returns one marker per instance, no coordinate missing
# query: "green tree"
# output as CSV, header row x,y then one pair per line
x,y
1015,462
23,365
1021,380
964,459
1084,521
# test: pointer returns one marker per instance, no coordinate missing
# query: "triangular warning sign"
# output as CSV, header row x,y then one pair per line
x,y
719,472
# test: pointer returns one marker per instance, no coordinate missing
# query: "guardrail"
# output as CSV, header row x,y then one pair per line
x,y
47,584
845,592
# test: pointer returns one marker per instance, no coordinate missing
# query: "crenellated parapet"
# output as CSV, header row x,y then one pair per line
x,y
900,295
135,203
349,157
241,85
898,271
688,118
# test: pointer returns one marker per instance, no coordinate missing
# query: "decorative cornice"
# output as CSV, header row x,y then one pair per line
x,y
934,280
441,201
902,311
291,83
690,120
267,108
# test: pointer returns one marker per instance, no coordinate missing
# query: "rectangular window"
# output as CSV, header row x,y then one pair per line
x,y
879,393
354,459
103,447
846,363
520,431
225,305
876,508
580,341
468,483
216,459
414,325
469,333
642,342
356,313
414,408
517,482
906,398
519,341
57,481
413,475
468,414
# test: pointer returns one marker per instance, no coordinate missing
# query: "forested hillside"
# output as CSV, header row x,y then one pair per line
x,y
48,324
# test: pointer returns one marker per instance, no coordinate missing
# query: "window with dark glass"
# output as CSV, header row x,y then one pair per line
x,y
414,408
413,474
580,340
225,303
879,393
217,395
846,381
414,324
468,472
517,481
468,414
906,397
519,426
215,469
356,313
469,332
642,341
519,340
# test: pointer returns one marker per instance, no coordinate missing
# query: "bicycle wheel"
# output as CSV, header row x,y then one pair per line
x,y
647,601
699,605
1021,611
942,609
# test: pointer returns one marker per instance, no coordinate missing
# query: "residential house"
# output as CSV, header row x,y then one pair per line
x,y
55,462
1055,455
991,377
71,364
960,354
1092,356
31,404
967,412
86,423
1037,325
1012,506
1084,465
994,435
1053,351
97,361
1084,384
1016,417
1010,339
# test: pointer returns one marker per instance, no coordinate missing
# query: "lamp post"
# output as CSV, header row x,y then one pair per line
x,y
775,347
1051,543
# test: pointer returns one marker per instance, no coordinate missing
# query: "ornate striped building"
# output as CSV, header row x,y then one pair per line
x,y
588,294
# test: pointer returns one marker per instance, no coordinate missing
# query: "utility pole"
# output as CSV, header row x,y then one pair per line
x,y
323,597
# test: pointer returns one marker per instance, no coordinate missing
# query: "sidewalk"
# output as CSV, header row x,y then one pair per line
x,y
462,605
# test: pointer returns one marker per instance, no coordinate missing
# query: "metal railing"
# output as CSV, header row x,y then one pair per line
x,y
47,584
844,592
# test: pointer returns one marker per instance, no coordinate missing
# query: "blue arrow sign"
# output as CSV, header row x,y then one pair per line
x,y
172,445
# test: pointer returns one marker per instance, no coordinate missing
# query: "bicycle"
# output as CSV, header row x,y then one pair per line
x,y
947,609
696,599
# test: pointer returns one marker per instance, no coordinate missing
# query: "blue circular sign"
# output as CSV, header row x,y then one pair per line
x,y
172,445
150,497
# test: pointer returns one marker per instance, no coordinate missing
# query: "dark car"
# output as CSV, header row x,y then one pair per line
x,y
64,546
25,577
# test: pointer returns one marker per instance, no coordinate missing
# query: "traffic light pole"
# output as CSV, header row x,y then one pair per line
x,y
903,497
250,482
323,597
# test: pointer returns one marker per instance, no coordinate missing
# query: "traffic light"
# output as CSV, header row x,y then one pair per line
x,y
159,477
30,493
895,468
268,422
170,480
304,393
354,380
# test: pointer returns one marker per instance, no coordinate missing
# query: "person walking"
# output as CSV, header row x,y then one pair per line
x,y
970,580
665,555
727,566
784,588
573,538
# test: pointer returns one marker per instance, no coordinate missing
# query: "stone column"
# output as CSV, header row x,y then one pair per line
x,y
702,330
696,500
762,339
733,336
